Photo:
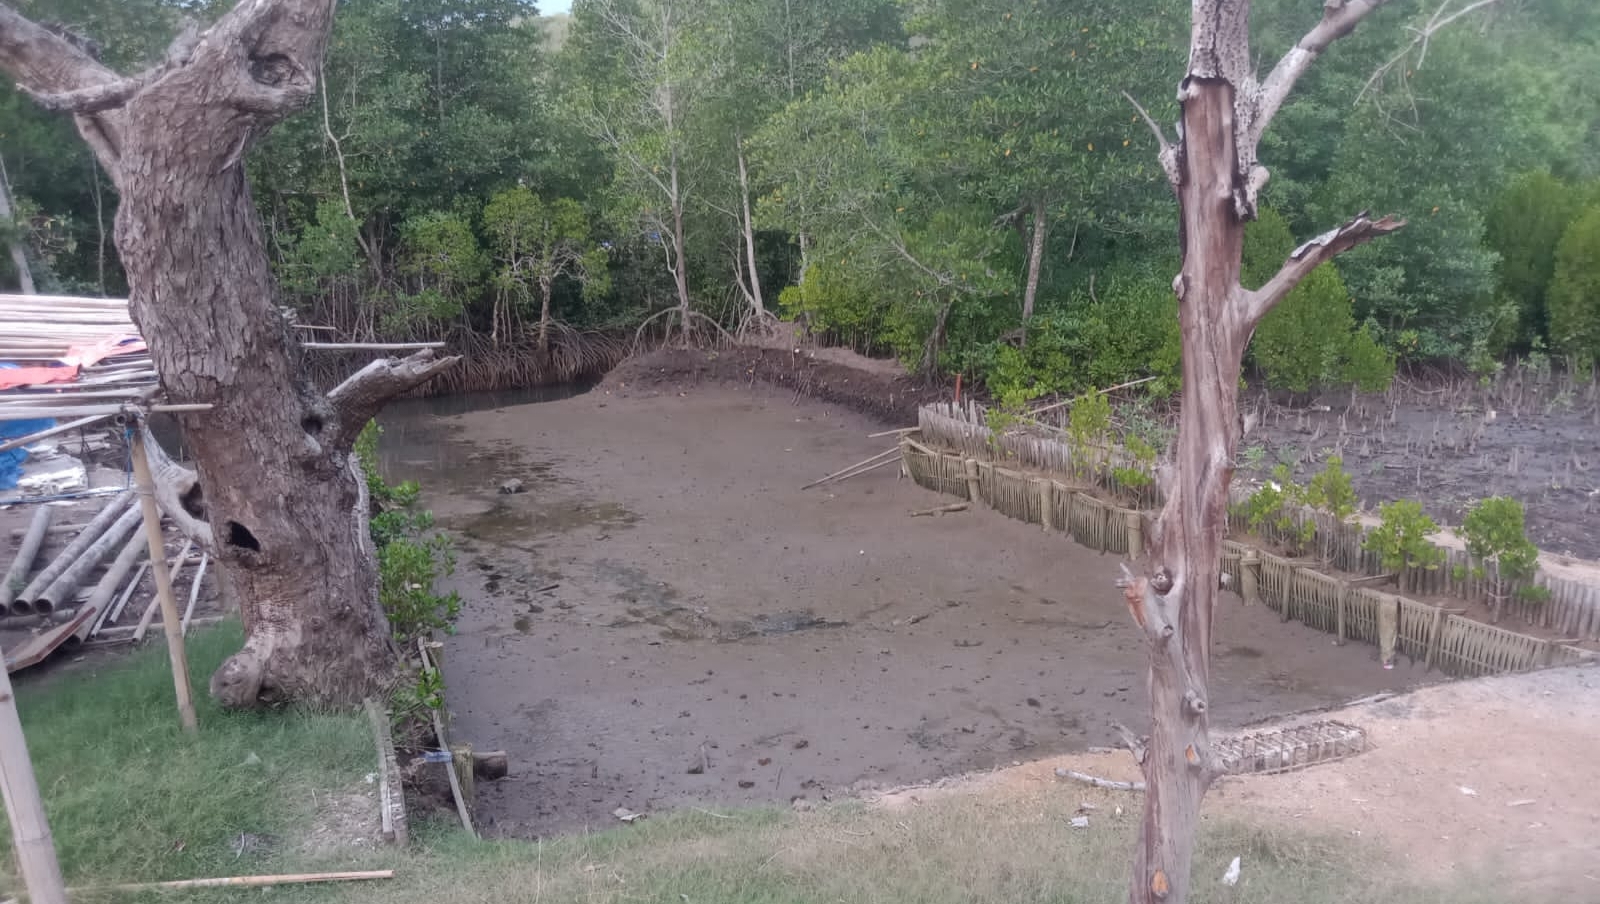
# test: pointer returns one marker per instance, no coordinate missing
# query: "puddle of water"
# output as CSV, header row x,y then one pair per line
x,y
513,519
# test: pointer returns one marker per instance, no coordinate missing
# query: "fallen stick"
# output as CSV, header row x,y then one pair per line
x,y
17,533
249,881
1108,784
898,431
444,744
118,630
856,473
1054,405
940,509
194,593
107,588
865,461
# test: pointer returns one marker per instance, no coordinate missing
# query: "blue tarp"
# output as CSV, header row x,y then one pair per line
x,y
11,462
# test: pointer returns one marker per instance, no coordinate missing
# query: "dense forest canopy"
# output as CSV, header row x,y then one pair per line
x,y
959,183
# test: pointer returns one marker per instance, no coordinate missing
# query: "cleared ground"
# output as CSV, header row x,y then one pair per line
x,y
665,619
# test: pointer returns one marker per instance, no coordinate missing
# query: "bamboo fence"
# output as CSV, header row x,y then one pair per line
x,y
1571,610
1005,474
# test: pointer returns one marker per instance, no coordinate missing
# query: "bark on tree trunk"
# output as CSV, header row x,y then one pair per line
x,y
1214,172
747,226
19,254
283,493
1030,290
544,315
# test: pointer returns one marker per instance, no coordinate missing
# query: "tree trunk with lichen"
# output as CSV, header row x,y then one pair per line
x,y
284,499
1215,175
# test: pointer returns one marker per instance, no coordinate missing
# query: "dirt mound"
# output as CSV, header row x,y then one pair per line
x,y
875,391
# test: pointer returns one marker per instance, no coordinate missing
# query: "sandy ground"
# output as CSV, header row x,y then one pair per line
x,y
1490,779
665,619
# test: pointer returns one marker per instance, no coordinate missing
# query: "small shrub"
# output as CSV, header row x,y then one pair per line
x,y
1574,299
1275,508
1088,426
1401,541
1138,477
1331,493
1497,538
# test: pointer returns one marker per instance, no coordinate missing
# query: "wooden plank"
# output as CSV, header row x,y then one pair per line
x,y
37,648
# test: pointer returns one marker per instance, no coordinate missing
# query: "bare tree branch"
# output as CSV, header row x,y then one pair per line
x,y
1423,36
95,98
1312,254
1168,155
359,398
1339,18
44,62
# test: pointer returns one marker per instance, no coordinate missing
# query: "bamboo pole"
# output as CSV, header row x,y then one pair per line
x,y
108,516
174,572
194,593
32,438
17,575
251,881
158,565
370,346
127,592
1047,502
62,589
32,846
845,471
970,467
100,598
444,744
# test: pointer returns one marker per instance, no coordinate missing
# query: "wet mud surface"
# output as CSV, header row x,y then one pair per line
x,y
1535,438
664,619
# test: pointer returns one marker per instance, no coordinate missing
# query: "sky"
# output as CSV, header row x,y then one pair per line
x,y
552,7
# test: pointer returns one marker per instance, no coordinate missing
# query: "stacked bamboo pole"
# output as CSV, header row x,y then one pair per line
x,y
17,575
26,600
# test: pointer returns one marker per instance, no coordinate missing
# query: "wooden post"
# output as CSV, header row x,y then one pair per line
x,y
970,466
1135,535
461,761
1434,638
1250,578
30,832
1344,597
1047,502
170,619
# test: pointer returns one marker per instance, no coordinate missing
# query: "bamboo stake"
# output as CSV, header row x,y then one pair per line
x,y
62,589
370,346
174,572
158,565
91,533
34,849
1108,784
17,575
858,472
1053,406
898,431
32,438
194,593
444,744
251,881
841,471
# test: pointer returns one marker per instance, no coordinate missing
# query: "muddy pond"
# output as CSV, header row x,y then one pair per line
x,y
665,619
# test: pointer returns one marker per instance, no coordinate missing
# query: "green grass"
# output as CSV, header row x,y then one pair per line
x,y
131,797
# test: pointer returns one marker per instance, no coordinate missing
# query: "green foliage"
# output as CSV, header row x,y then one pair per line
x,y
1310,340
1089,427
1496,535
1524,226
411,555
1574,299
1126,331
1331,491
1401,540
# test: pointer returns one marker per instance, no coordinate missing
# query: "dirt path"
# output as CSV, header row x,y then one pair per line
x,y
665,619
1486,779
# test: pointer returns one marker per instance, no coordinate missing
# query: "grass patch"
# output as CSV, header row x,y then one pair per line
x,y
968,849
130,797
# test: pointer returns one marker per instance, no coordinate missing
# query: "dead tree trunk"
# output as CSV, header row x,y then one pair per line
x,y
284,496
19,254
748,230
1215,175
1030,289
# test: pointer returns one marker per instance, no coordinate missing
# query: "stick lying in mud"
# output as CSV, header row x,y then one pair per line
x,y
254,881
864,465
940,509
1108,784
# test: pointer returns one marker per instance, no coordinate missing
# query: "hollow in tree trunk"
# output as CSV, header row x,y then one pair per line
x,y
283,496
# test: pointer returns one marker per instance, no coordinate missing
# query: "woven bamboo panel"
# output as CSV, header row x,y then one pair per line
x,y
1288,748
1361,614
1316,598
1416,628
1276,577
1469,648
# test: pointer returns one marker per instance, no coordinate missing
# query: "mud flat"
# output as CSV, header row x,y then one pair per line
x,y
664,619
